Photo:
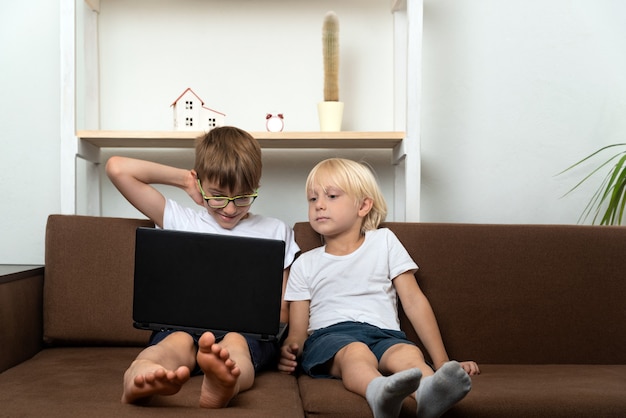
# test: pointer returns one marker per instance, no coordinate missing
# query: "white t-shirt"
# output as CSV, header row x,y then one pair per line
x,y
183,218
355,287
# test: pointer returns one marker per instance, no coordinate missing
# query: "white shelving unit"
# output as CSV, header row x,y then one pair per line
x,y
86,145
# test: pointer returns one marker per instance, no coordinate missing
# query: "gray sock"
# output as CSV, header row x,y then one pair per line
x,y
386,393
437,393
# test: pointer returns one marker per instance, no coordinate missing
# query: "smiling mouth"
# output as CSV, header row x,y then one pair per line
x,y
227,216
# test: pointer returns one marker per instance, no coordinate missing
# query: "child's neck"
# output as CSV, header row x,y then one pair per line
x,y
343,244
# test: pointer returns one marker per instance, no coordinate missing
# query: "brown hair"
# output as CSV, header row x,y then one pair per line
x,y
229,157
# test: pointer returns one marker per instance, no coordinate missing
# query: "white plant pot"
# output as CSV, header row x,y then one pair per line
x,y
330,115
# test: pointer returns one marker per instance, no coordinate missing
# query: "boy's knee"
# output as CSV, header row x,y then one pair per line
x,y
355,349
179,339
402,348
403,356
234,339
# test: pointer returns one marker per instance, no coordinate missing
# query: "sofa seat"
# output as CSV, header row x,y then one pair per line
x,y
88,382
540,308
501,390
513,390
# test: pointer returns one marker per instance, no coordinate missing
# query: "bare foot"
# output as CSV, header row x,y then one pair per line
x,y
143,379
221,374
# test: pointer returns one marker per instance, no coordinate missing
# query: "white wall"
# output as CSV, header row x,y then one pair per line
x,y
245,59
513,92
30,123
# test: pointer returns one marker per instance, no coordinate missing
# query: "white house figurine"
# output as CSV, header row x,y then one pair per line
x,y
190,113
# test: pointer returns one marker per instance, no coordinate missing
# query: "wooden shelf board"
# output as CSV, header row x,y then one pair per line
x,y
285,140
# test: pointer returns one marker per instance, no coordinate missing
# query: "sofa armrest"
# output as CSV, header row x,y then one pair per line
x,y
21,313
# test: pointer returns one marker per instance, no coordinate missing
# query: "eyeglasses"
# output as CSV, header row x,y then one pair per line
x,y
223,201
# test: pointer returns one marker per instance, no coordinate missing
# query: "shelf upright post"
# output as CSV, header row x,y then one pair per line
x,y
79,177
88,193
408,29
68,141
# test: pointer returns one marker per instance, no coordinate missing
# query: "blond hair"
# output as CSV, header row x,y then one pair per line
x,y
357,180
229,157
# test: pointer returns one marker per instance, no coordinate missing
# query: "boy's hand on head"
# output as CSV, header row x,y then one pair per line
x,y
288,358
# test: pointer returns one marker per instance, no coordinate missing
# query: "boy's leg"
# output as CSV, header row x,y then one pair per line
x,y
438,391
227,368
160,369
357,366
401,356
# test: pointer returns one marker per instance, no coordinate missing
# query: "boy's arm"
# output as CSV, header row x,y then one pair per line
x,y
298,333
133,178
420,313
284,305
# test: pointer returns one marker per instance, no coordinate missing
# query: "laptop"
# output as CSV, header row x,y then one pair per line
x,y
201,282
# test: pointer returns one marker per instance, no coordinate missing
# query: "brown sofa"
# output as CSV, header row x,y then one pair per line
x,y
542,309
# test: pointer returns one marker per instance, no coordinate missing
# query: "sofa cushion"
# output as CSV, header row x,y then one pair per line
x,y
524,294
87,382
519,294
88,283
328,398
561,390
516,391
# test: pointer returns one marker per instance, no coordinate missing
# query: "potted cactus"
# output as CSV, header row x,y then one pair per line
x,y
331,109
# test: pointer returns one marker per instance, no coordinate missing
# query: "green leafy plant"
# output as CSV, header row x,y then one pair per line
x,y
608,202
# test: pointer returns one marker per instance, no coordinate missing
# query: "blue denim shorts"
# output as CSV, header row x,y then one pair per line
x,y
264,354
324,343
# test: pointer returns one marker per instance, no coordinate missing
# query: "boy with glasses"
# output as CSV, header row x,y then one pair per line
x,y
225,180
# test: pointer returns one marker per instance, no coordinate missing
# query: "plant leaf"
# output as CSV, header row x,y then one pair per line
x,y
609,201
